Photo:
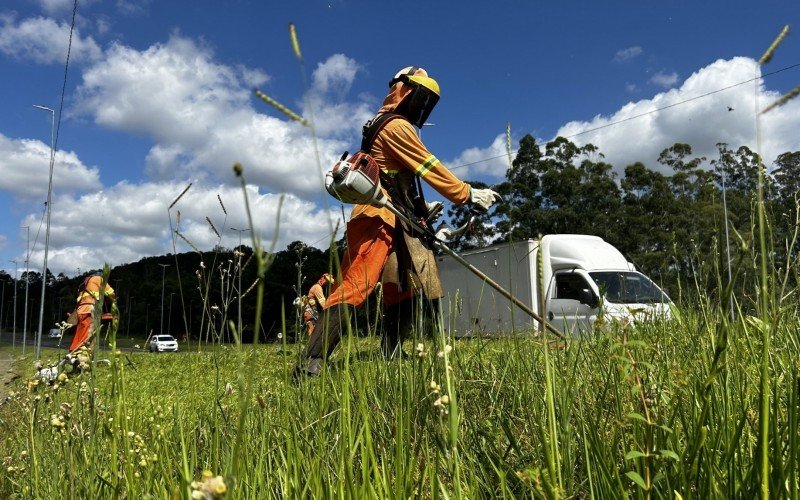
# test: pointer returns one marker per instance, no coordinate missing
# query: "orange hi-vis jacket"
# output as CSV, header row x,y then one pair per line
x,y
318,294
91,294
398,146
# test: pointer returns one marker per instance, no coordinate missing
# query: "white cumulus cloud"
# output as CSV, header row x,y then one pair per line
x,y
644,129
202,118
44,41
129,221
476,161
701,122
663,79
25,164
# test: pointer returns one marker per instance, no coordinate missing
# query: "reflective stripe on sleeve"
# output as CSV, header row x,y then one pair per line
x,y
87,294
423,168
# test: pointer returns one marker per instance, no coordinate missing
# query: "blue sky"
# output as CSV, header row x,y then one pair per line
x,y
158,96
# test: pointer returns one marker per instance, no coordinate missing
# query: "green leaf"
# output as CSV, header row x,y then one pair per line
x,y
634,454
669,454
637,416
675,314
636,478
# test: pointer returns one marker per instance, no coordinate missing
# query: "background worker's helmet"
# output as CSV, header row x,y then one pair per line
x,y
328,277
417,105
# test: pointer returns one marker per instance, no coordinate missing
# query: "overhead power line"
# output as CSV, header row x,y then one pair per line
x,y
640,115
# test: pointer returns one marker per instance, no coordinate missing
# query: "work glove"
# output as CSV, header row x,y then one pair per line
x,y
444,233
435,209
449,234
483,198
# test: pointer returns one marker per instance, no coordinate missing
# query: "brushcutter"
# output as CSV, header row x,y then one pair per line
x,y
49,373
357,181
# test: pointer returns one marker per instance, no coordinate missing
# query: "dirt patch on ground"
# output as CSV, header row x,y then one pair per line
x,y
7,374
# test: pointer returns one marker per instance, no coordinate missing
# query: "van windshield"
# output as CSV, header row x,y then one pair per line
x,y
628,287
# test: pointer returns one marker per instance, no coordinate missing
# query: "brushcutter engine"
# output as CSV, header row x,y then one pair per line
x,y
356,181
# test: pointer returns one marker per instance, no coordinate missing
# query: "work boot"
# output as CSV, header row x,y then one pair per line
x,y
324,339
328,332
397,323
309,368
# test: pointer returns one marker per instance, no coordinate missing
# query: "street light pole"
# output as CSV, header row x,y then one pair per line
x,y
14,330
47,230
27,285
2,306
128,311
163,271
239,265
169,319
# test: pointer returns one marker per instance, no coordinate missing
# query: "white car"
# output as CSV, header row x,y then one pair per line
x,y
161,343
54,333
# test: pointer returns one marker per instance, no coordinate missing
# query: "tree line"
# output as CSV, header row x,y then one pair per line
x,y
671,225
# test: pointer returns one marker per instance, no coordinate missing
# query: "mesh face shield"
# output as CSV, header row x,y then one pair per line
x,y
417,105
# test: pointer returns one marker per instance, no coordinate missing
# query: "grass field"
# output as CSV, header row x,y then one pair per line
x,y
661,410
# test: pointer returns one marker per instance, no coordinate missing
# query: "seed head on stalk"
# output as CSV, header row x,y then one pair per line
x,y
213,228
767,57
783,100
280,107
295,43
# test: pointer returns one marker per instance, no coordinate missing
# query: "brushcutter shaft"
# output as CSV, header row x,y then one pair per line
x,y
477,272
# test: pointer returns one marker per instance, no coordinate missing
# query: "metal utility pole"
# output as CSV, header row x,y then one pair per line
x,y
169,319
14,334
239,265
128,311
163,271
2,306
47,230
27,285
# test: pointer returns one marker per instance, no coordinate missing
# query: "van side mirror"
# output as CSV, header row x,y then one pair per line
x,y
585,296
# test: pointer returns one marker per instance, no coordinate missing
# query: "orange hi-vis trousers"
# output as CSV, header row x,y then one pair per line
x,y
369,243
82,331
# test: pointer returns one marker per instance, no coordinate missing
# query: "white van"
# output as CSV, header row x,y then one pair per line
x,y
581,274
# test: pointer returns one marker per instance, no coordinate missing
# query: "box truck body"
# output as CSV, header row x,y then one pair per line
x,y
582,277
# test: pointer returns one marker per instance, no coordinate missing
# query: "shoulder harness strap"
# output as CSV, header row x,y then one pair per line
x,y
373,127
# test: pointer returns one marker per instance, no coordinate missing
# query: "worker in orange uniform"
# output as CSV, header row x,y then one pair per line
x,y
315,302
381,249
317,292
88,294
